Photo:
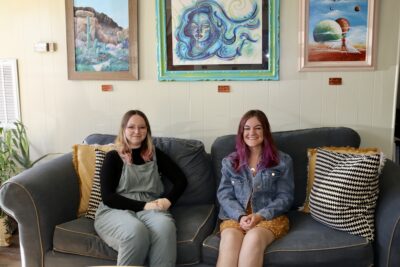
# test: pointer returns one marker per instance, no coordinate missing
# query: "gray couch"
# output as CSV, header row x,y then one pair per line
x,y
44,201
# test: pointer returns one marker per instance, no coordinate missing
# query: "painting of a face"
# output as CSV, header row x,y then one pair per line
x,y
216,32
200,27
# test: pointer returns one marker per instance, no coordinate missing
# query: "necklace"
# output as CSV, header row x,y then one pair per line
x,y
253,161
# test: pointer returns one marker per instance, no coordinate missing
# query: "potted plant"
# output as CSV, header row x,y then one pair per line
x,y
14,158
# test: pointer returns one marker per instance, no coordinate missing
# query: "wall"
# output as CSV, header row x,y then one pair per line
x,y
59,112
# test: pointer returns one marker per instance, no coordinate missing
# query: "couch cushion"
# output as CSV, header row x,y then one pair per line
x,y
95,194
101,139
295,143
194,224
345,191
191,157
79,237
308,243
83,158
312,158
195,163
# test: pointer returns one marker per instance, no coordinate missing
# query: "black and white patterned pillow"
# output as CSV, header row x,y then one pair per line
x,y
345,191
95,195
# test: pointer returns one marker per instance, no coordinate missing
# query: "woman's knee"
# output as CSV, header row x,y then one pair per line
x,y
162,227
232,235
136,231
259,236
166,232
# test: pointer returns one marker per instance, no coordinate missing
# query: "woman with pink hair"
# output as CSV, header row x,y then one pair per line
x,y
256,190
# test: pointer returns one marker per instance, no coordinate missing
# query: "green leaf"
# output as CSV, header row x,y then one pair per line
x,y
14,151
14,132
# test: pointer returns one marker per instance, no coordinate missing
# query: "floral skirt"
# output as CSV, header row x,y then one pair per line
x,y
279,226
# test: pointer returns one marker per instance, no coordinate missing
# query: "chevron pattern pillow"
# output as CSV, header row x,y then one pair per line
x,y
345,191
312,156
95,194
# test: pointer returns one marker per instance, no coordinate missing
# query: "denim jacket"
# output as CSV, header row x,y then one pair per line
x,y
271,190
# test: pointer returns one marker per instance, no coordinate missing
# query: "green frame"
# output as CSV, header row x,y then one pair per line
x,y
265,71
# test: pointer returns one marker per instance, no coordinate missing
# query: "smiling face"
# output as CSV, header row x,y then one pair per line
x,y
135,131
253,134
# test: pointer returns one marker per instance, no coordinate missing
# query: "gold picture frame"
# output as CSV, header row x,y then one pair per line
x,y
337,35
98,46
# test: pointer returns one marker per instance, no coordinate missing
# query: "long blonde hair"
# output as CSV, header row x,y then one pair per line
x,y
122,144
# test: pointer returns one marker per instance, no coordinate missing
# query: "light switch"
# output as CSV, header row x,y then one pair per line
x,y
41,47
45,47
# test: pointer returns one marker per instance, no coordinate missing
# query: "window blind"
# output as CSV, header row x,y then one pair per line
x,y
9,92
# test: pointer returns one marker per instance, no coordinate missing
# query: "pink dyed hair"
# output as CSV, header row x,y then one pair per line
x,y
122,144
269,153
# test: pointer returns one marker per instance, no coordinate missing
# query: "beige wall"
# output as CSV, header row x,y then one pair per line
x,y
59,112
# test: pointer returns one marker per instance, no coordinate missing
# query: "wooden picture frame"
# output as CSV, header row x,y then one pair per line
x,y
179,59
98,47
337,35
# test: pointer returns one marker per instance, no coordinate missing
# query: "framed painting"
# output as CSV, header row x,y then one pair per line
x,y
102,39
337,35
218,40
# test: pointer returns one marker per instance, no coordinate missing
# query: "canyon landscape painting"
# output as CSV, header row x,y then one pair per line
x,y
102,38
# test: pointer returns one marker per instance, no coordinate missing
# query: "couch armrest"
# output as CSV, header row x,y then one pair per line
x,y
40,198
387,217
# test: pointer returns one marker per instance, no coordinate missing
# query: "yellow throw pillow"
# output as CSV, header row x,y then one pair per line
x,y
312,156
84,159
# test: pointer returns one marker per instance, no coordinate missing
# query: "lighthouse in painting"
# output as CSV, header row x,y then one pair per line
x,y
340,33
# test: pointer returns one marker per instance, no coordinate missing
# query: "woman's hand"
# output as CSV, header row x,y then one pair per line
x,y
163,203
151,206
249,221
158,204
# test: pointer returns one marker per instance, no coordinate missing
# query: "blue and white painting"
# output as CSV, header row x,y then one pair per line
x,y
215,32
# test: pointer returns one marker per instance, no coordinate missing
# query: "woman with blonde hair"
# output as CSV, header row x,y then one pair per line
x,y
133,217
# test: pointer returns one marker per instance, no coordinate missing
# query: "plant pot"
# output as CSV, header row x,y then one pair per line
x,y
5,236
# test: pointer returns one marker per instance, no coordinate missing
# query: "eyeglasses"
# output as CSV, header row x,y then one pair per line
x,y
137,128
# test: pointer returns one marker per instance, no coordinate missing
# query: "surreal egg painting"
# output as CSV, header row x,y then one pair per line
x,y
101,35
337,30
210,32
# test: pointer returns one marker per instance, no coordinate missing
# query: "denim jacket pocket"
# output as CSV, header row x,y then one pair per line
x,y
269,179
238,184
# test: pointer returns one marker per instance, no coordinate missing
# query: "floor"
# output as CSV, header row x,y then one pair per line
x,y
10,256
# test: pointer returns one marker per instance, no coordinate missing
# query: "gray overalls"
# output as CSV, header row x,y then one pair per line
x,y
136,235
